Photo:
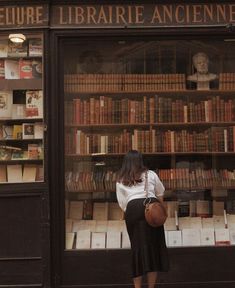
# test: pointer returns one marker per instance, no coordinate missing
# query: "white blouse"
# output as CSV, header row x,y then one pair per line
x,y
128,193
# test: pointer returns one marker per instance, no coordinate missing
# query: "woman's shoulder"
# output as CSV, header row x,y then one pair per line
x,y
152,174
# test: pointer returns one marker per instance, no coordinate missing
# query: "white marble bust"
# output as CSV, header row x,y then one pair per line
x,y
202,77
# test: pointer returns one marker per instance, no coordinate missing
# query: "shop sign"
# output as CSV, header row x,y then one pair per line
x,y
23,16
159,15
96,16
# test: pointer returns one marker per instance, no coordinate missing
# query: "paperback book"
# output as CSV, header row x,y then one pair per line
x,y
28,130
12,69
25,67
34,104
6,101
17,49
37,69
2,69
3,48
35,47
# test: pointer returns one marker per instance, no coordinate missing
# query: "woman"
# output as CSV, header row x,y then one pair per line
x,y
149,252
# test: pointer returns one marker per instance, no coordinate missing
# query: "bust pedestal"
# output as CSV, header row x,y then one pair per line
x,y
203,85
202,80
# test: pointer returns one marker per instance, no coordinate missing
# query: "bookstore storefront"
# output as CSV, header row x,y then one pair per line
x,y
82,85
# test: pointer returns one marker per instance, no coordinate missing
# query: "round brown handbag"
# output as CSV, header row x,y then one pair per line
x,y
155,213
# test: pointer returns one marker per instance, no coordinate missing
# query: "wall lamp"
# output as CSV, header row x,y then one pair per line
x,y
17,38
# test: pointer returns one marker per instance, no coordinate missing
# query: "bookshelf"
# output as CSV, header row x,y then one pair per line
x,y
21,110
186,135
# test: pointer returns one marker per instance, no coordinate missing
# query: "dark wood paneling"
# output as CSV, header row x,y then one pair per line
x,y
160,285
104,267
190,267
20,226
21,272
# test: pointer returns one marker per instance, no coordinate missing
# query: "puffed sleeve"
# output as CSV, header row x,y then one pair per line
x,y
120,197
159,188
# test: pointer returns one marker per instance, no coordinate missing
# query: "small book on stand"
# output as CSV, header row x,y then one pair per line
x,y
191,237
174,238
3,174
17,49
14,173
27,131
83,239
98,240
207,237
37,69
222,237
76,210
69,240
6,101
35,47
29,173
34,104
113,240
100,211
25,69
12,69
3,48
2,69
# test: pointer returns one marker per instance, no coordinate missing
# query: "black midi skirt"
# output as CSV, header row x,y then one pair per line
x,y
148,246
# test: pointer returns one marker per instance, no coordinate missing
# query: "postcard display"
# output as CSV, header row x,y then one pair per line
x,y
21,111
152,97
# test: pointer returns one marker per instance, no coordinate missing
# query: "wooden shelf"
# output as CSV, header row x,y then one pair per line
x,y
21,57
150,154
21,161
2,141
128,125
20,84
20,120
167,189
151,92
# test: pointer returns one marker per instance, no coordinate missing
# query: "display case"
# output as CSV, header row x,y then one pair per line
x,y
173,101
21,110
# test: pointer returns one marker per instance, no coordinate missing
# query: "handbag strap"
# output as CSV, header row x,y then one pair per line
x,y
146,184
147,200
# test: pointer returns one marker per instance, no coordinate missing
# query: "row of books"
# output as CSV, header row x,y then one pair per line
x,y
200,237
74,83
84,239
215,139
172,223
112,234
21,173
185,177
215,109
106,110
31,108
214,222
20,69
22,131
31,47
89,181
88,209
227,81
195,208
186,210
179,178
33,151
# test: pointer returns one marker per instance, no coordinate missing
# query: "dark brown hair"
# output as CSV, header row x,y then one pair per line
x,y
132,168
